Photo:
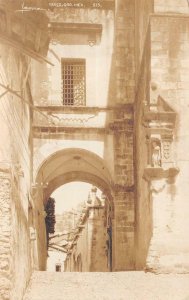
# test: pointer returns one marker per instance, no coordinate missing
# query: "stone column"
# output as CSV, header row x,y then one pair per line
x,y
124,197
123,231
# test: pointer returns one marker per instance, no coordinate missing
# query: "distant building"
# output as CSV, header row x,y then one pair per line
x,y
90,248
55,261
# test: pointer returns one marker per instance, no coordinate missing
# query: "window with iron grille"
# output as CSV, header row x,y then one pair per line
x,y
73,81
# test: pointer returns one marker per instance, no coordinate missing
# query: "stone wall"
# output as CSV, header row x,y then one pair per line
x,y
169,69
122,94
16,157
124,197
5,235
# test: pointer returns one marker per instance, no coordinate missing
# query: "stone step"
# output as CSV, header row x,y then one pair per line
x,y
107,286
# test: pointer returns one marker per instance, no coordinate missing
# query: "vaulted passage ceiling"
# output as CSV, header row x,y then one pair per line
x,y
73,165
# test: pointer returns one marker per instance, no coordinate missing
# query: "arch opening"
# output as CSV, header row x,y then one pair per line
x,y
82,217
73,165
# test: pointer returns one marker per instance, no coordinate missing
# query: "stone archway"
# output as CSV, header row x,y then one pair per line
x,y
76,164
64,166
73,164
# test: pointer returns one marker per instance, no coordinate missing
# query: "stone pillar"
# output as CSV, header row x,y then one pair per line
x,y
5,233
123,94
124,197
123,231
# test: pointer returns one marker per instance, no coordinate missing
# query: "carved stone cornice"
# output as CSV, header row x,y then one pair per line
x,y
71,109
159,119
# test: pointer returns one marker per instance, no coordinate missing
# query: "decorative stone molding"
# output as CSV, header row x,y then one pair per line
x,y
159,119
90,33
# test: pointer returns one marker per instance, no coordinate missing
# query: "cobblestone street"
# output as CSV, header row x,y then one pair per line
x,y
106,286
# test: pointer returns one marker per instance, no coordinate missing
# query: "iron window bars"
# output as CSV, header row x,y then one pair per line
x,y
74,81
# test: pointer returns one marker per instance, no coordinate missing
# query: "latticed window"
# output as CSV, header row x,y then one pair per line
x,y
73,81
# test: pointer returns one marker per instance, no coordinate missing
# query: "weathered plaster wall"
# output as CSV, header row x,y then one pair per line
x,y
15,160
169,69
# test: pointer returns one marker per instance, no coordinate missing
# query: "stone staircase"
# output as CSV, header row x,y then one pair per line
x,y
107,286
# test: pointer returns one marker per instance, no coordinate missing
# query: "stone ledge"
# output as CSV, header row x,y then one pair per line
x,y
155,173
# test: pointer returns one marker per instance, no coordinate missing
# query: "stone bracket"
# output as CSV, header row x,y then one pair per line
x,y
156,173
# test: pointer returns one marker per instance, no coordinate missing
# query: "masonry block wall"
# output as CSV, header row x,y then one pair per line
x,y
121,94
124,202
170,61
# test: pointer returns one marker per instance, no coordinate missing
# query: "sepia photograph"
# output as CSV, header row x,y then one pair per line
x,y
94,150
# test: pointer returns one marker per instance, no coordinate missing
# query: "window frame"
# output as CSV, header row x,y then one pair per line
x,y
72,62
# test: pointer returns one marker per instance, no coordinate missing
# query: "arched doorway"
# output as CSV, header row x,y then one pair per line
x,y
68,166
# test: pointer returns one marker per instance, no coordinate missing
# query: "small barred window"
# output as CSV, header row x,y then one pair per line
x,y
73,82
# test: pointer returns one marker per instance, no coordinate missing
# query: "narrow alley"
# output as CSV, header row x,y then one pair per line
x,y
94,92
